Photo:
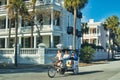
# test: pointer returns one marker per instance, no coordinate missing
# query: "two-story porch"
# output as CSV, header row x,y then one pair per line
x,y
49,30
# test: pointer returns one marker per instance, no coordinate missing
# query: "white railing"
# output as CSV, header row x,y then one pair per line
x,y
3,31
7,55
27,55
43,28
36,55
6,31
26,29
91,35
30,56
3,10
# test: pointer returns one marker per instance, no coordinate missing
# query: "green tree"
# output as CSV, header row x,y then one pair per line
x,y
73,6
18,7
111,24
118,37
10,17
87,54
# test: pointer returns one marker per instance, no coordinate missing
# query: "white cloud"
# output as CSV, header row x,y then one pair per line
x,y
84,19
102,20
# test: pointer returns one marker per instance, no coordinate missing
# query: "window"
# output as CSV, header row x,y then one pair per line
x,y
94,31
2,22
11,42
86,41
3,2
0,3
38,40
56,22
26,42
2,43
11,23
56,16
26,23
94,41
56,40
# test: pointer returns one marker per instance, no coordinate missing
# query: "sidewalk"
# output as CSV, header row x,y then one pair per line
x,y
22,66
43,66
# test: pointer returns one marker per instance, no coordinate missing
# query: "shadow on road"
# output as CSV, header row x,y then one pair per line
x,y
89,72
83,73
80,73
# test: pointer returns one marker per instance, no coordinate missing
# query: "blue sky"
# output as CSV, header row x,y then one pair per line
x,y
99,10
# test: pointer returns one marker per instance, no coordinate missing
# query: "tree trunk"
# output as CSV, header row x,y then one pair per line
x,y
32,25
32,35
40,40
9,33
74,30
16,35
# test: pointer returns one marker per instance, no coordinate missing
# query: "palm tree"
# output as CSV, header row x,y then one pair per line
x,y
10,17
118,36
111,23
18,7
73,6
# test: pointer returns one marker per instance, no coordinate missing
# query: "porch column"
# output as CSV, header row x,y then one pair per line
x,y
20,21
20,40
52,41
89,40
97,42
52,1
6,21
52,19
7,16
35,42
6,43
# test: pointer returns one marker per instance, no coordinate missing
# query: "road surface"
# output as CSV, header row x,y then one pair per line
x,y
108,71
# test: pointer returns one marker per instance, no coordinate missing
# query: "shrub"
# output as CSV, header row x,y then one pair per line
x,y
87,54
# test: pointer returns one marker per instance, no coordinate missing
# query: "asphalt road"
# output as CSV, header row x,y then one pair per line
x,y
107,71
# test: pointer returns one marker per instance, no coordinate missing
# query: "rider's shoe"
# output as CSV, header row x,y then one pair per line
x,y
57,70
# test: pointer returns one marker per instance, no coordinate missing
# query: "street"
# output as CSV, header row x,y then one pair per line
x,y
108,71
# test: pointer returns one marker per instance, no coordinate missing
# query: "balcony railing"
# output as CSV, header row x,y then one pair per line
x,y
2,9
46,2
91,35
27,29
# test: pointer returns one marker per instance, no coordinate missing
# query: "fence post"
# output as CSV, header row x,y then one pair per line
x,y
41,51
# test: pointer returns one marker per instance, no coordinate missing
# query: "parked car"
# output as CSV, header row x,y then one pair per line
x,y
116,56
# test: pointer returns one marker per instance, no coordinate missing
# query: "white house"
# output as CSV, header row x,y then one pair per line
x,y
53,30
96,34
99,36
